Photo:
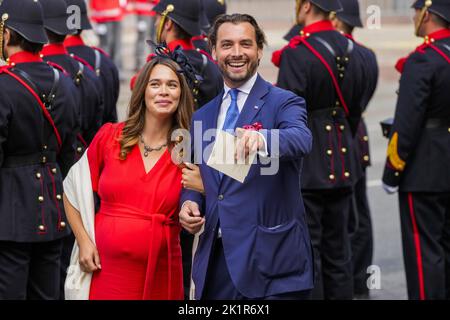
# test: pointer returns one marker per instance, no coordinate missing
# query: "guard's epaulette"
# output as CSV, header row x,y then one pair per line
x,y
5,67
58,67
101,51
81,60
210,58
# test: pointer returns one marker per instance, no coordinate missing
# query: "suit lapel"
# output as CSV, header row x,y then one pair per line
x,y
254,103
252,107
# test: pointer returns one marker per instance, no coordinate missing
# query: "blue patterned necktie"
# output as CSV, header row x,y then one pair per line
x,y
232,112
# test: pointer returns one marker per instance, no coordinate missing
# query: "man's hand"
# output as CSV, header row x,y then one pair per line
x,y
249,142
190,217
191,178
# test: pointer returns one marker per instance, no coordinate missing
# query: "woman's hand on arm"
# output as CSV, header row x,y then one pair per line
x,y
191,178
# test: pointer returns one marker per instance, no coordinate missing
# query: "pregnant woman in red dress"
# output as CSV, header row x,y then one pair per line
x,y
137,252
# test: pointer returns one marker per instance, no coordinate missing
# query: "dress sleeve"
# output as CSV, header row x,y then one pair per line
x,y
96,152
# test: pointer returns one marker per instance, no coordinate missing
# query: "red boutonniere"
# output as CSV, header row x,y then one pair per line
x,y
256,126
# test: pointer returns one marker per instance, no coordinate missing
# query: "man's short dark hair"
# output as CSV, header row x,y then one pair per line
x,y
54,37
236,18
17,40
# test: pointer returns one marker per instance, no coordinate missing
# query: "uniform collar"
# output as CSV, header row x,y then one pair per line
x,y
23,57
184,43
437,35
54,49
323,25
73,41
348,36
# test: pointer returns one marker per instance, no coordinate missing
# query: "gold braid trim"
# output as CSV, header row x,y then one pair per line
x,y
427,5
2,29
169,8
392,153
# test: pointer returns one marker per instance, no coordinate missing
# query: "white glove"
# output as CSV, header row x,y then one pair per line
x,y
390,189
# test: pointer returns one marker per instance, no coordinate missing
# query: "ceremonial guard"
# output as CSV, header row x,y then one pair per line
x,y
108,16
89,86
321,65
99,60
145,16
210,10
177,22
37,139
418,154
361,236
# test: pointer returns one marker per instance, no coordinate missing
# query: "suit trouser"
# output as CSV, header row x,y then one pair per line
x,y
186,242
361,237
327,212
30,270
219,286
425,223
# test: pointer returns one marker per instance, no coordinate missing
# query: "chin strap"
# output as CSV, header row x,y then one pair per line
x,y
424,10
170,8
2,29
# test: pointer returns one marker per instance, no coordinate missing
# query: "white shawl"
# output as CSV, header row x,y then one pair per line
x,y
78,190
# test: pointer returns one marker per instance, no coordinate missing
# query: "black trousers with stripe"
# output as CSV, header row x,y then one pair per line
x,y
425,224
327,213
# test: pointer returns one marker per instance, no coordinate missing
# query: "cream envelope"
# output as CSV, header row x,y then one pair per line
x,y
222,157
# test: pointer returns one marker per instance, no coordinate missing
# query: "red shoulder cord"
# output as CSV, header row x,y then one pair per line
x,y
44,110
330,71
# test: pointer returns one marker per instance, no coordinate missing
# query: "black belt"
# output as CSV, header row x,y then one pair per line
x,y
437,123
29,159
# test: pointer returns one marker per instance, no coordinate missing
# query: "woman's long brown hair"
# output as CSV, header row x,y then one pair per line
x,y
134,125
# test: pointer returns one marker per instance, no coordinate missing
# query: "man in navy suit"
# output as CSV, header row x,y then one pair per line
x,y
255,243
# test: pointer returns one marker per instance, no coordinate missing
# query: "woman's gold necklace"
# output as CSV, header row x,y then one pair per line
x,y
148,149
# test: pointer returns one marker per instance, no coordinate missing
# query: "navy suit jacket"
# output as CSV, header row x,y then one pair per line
x,y
264,233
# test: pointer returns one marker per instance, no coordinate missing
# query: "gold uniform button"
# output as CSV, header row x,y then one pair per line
x,y
53,170
79,149
366,158
347,174
58,196
396,173
38,175
342,127
44,147
448,129
344,150
328,128
44,159
366,138
41,228
329,152
62,224
41,199
331,176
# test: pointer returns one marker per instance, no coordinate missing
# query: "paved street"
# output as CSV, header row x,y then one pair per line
x,y
393,40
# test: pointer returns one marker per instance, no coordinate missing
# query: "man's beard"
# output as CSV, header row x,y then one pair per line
x,y
240,78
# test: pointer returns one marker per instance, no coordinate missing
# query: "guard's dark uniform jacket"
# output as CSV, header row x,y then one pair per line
x,y
90,91
212,83
370,72
419,146
104,68
32,164
332,162
418,161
